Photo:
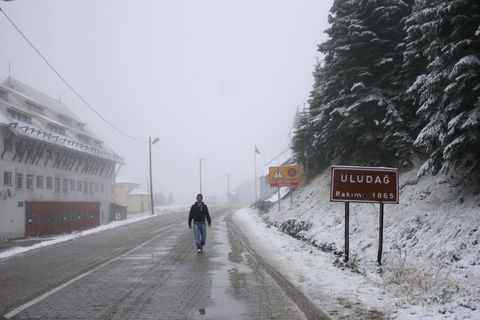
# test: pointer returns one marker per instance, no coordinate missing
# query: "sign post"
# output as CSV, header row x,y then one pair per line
x,y
291,197
380,236
347,231
278,193
364,184
284,176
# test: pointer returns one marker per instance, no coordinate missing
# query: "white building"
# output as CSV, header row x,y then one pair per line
x,y
129,193
55,174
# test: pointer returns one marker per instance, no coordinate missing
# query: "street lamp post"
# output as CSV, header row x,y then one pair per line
x,y
200,162
150,143
228,187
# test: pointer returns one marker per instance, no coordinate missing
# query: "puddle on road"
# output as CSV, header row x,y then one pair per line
x,y
224,305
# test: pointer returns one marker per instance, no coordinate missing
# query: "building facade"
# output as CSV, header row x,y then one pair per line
x,y
55,174
129,194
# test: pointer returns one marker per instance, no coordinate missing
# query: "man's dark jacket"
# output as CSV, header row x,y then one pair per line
x,y
198,213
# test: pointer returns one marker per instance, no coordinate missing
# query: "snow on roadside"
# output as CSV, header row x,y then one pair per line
x,y
338,293
170,208
283,192
431,257
134,217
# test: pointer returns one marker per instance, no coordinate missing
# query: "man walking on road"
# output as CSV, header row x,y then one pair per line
x,y
198,213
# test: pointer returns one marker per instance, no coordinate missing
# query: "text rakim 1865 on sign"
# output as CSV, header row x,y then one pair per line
x,y
350,196
364,184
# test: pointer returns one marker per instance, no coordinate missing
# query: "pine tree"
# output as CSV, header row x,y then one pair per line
x,y
398,77
357,111
445,36
301,138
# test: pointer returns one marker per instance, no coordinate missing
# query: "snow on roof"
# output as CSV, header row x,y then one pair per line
x,y
39,128
138,192
38,97
55,107
33,132
126,180
5,86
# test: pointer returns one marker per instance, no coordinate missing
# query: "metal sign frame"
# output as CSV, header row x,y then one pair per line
x,y
364,187
364,184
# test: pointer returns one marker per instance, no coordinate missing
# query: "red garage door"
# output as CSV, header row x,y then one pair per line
x,y
60,217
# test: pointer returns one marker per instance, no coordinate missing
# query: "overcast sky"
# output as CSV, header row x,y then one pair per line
x,y
210,78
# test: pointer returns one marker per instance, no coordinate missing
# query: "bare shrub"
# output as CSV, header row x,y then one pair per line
x,y
420,284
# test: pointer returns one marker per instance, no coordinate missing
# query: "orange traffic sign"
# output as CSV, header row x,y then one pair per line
x,y
284,176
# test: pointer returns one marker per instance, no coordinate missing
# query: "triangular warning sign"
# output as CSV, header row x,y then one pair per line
x,y
278,175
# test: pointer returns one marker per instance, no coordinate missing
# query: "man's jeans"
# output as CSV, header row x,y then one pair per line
x,y
200,231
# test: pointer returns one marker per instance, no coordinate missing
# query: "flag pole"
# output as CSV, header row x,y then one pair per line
x,y
255,159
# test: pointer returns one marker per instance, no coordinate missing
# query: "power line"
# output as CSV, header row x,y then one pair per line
x,y
65,82
277,156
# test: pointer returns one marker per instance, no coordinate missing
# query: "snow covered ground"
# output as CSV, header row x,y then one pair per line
x,y
431,256
131,218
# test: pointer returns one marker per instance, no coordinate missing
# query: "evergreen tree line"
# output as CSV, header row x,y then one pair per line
x,y
399,85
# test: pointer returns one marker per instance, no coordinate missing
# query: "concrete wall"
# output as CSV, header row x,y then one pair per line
x,y
121,190
138,203
134,202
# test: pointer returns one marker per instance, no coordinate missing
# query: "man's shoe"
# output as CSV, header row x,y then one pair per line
x,y
199,251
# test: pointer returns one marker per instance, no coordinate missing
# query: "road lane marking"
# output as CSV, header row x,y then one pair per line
x,y
79,277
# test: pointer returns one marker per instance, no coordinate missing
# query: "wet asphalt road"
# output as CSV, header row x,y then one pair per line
x,y
149,270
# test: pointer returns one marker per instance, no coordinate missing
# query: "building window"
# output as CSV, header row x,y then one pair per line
x,y
7,178
85,187
3,94
56,129
29,181
34,107
83,139
39,182
90,189
72,185
18,180
63,119
19,116
79,125
8,144
57,184
49,183
96,187
79,185
65,185
102,188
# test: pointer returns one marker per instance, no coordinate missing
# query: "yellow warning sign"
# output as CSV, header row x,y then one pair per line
x,y
283,176
277,174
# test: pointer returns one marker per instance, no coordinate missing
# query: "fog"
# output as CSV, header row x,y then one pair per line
x,y
210,79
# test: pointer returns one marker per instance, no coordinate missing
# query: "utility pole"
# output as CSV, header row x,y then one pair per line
x,y
150,143
228,187
200,163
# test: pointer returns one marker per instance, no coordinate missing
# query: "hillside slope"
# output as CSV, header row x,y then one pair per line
x,y
431,253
